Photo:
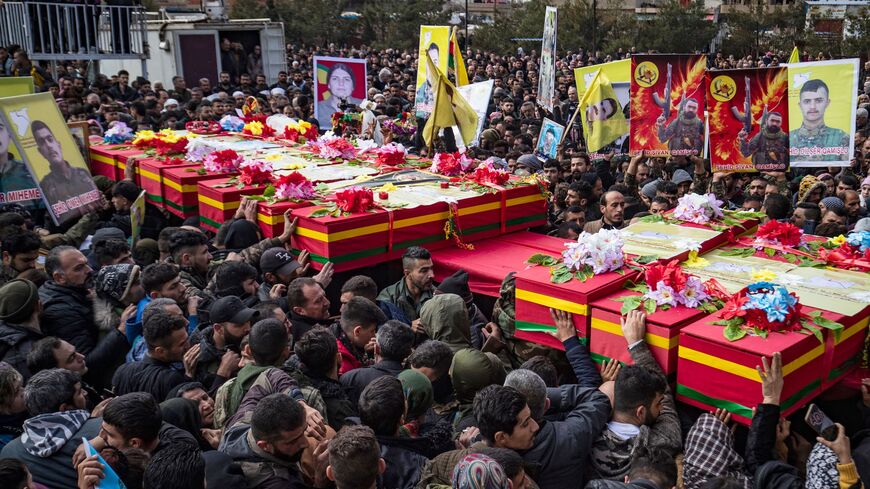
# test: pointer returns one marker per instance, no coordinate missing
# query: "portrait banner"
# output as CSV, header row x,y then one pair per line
x,y
137,218
667,104
338,82
619,74
822,99
547,69
435,40
748,112
50,155
477,95
549,139
603,118
16,85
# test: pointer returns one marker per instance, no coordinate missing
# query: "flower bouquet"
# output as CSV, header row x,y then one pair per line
x,y
403,126
487,174
347,201
231,123
255,172
333,147
223,161
162,143
450,164
300,132
590,255
390,155
119,133
705,210
848,252
258,128
764,308
668,285
347,123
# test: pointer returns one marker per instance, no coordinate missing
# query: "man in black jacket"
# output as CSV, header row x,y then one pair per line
x,y
382,408
68,313
309,306
19,323
166,337
393,343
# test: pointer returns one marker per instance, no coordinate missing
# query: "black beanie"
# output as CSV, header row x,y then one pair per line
x,y
18,300
457,284
126,189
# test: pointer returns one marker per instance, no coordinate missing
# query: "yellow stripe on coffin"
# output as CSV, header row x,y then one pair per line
x,y
744,371
652,339
180,188
553,302
220,205
341,235
853,330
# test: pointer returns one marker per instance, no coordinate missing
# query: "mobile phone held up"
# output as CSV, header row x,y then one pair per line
x,y
821,423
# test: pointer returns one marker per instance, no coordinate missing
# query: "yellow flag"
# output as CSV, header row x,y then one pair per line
x,y
601,113
456,62
795,56
449,108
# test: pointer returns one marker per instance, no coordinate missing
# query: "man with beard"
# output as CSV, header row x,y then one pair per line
x,y
68,313
644,414
64,186
232,322
769,148
415,288
612,209
269,440
685,135
20,250
579,165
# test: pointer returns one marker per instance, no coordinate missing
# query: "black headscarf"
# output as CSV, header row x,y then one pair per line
x,y
242,234
184,414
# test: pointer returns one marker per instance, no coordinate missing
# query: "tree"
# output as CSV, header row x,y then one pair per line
x,y
306,21
678,29
857,44
396,23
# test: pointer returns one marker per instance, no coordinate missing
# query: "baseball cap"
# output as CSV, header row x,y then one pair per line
x,y
231,310
278,260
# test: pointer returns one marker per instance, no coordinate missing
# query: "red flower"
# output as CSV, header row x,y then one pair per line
x,y
671,274
732,308
163,148
254,176
486,174
354,199
784,233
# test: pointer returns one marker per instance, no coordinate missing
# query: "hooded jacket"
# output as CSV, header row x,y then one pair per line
x,y
445,318
17,340
336,406
471,371
261,469
68,314
710,453
356,380
48,444
405,458
148,375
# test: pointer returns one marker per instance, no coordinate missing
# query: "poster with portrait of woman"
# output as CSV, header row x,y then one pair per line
x,y
338,82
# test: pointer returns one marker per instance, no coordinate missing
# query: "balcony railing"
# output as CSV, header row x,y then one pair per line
x,y
58,31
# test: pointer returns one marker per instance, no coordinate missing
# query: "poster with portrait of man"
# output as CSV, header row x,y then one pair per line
x,y
434,40
547,69
749,119
619,74
51,156
338,83
822,100
549,139
667,104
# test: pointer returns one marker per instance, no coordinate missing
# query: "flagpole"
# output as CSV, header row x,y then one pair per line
x,y
434,108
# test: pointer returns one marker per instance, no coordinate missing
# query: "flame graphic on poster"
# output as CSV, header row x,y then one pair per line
x,y
687,77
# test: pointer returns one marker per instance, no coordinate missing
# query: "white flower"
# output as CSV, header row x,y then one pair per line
x,y
688,244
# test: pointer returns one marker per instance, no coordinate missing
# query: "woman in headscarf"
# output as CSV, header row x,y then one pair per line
x,y
234,236
184,414
445,318
419,396
477,471
471,371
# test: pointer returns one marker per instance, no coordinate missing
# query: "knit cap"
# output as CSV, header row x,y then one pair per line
x,y
649,190
531,162
456,284
18,299
681,176
833,203
115,281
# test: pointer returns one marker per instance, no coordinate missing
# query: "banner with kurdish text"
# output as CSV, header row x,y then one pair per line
x,y
337,81
667,104
748,119
822,99
547,69
434,39
51,156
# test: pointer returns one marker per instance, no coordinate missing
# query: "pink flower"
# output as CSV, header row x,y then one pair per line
x,y
294,186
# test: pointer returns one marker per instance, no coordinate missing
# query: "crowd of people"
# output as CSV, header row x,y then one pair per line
x,y
194,359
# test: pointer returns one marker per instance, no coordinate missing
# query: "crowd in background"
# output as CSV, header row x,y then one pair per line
x,y
194,359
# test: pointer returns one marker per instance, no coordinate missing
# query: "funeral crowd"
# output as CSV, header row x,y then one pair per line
x,y
224,360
